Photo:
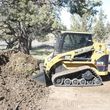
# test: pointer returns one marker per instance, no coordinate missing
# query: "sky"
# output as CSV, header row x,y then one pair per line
x,y
106,8
65,15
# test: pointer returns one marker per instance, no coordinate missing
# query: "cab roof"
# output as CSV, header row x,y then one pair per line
x,y
62,32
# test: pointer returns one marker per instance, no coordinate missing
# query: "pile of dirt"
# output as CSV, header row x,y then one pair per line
x,y
21,63
5,55
17,90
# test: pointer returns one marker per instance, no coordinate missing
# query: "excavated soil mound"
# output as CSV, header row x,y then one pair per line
x,y
17,90
5,55
21,63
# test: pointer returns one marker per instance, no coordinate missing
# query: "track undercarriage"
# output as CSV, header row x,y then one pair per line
x,y
81,76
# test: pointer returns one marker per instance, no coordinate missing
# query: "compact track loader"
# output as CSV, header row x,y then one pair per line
x,y
77,60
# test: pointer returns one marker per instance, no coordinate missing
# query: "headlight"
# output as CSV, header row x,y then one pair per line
x,y
99,63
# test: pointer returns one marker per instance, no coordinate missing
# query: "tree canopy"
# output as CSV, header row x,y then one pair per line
x,y
100,29
84,18
81,6
23,19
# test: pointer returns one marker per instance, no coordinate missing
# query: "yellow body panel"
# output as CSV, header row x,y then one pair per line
x,y
71,65
99,50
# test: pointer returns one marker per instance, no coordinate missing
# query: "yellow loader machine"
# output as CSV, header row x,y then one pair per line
x,y
76,61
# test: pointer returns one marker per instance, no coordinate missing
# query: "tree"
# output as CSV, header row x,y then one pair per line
x,y
81,6
108,27
84,19
76,23
82,24
100,26
23,19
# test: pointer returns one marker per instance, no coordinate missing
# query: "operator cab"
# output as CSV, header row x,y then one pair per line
x,y
69,41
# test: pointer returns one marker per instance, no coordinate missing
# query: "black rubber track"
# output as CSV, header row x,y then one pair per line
x,y
64,80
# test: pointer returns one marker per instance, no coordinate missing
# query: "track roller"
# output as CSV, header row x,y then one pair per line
x,y
90,82
82,82
59,81
97,81
75,82
67,82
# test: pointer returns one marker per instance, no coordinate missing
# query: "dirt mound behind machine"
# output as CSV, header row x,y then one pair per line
x,y
76,61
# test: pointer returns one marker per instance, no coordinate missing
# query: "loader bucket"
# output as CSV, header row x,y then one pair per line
x,y
41,78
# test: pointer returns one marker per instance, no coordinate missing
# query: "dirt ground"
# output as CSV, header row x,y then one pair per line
x,y
73,98
19,92
79,98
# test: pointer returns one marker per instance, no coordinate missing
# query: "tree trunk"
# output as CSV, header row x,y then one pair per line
x,y
23,45
23,39
9,45
30,44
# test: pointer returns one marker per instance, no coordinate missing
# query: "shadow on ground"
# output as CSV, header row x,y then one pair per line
x,y
106,78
